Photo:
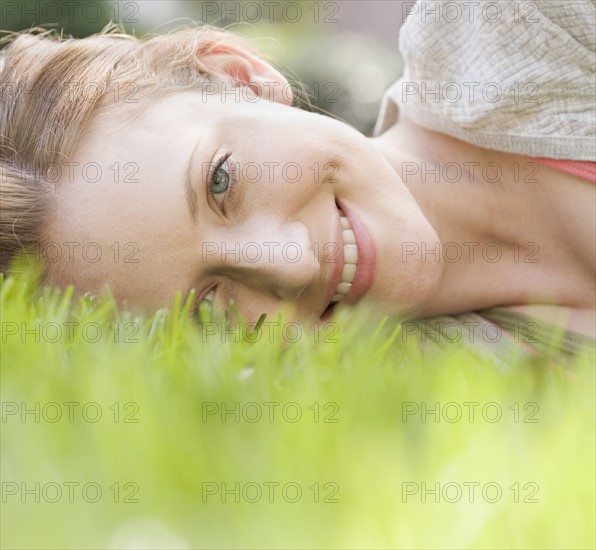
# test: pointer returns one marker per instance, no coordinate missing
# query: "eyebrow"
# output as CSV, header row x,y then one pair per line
x,y
191,191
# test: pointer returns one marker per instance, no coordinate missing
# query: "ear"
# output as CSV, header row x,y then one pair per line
x,y
251,71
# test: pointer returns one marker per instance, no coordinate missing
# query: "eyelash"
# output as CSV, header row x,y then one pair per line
x,y
229,194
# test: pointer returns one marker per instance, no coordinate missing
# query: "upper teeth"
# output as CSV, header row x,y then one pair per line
x,y
350,259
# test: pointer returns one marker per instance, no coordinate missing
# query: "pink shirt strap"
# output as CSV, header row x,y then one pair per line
x,y
578,168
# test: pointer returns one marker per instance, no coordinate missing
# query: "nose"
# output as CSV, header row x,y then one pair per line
x,y
275,257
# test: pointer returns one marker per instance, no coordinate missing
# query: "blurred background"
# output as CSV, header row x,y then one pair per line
x,y
344,52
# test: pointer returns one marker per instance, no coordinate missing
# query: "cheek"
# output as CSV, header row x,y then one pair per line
x,y
279,315
293,146
281,187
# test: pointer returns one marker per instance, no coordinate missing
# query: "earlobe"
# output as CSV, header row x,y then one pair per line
x,y
251,71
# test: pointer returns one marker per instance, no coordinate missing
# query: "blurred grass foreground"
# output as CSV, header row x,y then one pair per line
x,y
126,432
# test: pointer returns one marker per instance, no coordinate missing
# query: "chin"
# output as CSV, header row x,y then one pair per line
x,y
408,291
405,283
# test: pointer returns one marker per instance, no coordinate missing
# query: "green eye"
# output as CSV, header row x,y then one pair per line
x,y
220,181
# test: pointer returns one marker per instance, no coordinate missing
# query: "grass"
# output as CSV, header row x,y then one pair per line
x,y
366,452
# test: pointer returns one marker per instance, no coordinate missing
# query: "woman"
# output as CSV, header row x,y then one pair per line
x,y
179,163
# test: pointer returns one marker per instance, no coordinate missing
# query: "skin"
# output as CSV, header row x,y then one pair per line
x,y
175,252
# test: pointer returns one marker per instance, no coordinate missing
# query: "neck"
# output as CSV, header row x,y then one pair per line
x,y
500,239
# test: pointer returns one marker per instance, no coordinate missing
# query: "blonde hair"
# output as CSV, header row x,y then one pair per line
x,y
46,104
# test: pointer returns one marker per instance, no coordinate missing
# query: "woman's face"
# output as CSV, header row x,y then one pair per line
x,y
261,230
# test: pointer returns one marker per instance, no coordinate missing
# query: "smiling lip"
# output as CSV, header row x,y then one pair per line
x,y
335,267
365,269
367,258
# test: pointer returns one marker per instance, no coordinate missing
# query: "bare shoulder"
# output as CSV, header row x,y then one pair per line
x,y
578,320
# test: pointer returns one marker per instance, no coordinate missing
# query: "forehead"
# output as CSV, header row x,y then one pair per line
x,y
121,202
137,122
125,160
